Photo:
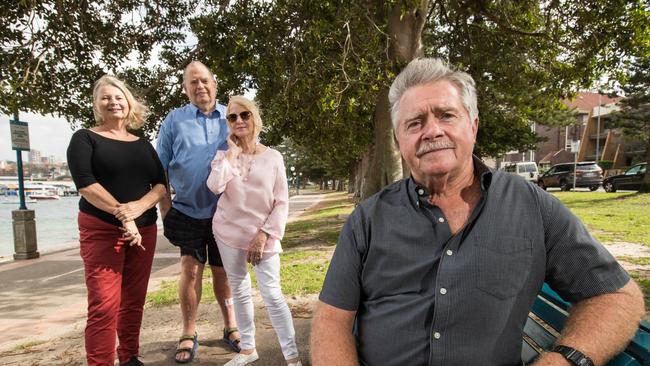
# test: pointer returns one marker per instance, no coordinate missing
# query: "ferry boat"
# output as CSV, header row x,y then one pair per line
x,y
41,192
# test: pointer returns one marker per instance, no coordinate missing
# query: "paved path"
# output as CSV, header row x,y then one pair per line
x,y
46,297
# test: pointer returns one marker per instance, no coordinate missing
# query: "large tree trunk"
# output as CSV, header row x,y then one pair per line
x,y
361,170
405,44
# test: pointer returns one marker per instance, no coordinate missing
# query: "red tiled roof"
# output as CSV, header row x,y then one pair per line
x,y
586,101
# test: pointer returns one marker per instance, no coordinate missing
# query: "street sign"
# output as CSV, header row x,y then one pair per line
x,y
19,135
575,146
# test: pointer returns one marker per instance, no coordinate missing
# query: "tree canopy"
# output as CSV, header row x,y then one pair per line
x,y
322,69
634,116
319,67
53,51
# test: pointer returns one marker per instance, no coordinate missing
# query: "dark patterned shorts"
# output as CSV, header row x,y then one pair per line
x,y
193,236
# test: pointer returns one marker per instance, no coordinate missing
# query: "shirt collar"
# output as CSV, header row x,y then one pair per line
x,y
198,113
418,193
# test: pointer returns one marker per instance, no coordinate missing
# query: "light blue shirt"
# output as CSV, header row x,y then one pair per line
x,y
187,143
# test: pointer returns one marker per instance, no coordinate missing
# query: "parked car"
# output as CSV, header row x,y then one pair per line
x,y
588,174
526,169
631,179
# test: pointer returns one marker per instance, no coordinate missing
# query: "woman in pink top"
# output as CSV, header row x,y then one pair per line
x,y
249,224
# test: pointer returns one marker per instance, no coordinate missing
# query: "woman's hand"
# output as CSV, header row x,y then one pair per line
x,y
132,234
233,150
129,211
256,248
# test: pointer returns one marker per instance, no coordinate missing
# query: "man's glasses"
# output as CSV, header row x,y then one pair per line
x,y
243,115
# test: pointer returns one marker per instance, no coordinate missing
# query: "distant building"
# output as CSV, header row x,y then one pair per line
x,y
601,141
34,157
7,168
556,148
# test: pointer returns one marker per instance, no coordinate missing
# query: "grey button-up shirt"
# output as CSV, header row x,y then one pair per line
x,y
426,297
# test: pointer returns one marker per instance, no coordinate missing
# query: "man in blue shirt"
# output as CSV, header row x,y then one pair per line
x,y
188,140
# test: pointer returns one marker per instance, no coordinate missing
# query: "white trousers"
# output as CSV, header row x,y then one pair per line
x,y
268,282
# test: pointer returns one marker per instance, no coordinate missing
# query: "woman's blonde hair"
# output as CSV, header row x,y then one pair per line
x,y
138,112
252,107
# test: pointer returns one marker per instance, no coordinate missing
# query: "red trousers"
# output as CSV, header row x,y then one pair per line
x,y
117,276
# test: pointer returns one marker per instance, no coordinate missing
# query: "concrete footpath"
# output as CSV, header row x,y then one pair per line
x,y
43,303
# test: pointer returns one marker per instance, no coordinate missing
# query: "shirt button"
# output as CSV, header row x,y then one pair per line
x,y
440,219
436,335
421,191
443,291
449,252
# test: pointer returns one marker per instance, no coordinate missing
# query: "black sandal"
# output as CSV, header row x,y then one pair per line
x,y
192,351
233,344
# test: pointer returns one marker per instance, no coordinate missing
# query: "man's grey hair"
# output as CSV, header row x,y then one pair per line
x,y
426,70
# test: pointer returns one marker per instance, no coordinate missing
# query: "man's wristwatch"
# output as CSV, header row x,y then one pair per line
x,y
574,356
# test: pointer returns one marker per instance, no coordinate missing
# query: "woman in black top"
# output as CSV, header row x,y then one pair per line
x,y
120,180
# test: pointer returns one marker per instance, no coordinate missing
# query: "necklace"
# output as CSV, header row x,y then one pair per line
x,y
247,171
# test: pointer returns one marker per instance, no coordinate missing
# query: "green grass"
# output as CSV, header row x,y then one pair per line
x,y
321,226
644,283
302,271
612,216
26,346
609,217
167,294
641,261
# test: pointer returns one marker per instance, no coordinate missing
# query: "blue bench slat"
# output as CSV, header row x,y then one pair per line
x,y
540,335
549,312
639,347
552,310
623,359
548,293
645,326
528,353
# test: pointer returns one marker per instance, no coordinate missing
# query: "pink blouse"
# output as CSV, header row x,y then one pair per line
x,y
254,196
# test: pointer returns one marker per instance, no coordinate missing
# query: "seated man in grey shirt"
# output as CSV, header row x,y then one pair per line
x,y
442,268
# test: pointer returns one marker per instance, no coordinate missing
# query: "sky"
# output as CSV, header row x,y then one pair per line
x,y
50,135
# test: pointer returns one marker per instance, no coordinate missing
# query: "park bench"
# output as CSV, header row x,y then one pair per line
x,y
547,318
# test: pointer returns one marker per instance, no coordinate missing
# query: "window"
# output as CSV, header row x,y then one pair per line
x,y
633,170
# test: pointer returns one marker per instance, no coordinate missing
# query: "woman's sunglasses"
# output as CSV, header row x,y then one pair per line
x,y
243,115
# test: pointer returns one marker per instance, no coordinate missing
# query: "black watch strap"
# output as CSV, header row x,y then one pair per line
x,y
574,356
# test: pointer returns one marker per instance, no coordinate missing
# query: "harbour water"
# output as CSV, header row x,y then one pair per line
x,y
56,225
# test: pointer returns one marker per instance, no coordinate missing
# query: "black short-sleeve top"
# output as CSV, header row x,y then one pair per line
x,y
126,169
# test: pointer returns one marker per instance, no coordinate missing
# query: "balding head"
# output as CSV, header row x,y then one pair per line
x,y
200,86
196,65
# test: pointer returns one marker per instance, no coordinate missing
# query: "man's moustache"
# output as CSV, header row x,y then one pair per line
x,y
428,147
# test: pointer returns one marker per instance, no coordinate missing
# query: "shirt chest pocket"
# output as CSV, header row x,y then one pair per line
x,y
502,265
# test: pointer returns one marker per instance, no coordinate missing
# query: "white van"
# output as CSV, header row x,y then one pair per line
x,y
527,169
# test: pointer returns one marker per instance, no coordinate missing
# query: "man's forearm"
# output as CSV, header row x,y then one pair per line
x,y
332,342
601,327
165,204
